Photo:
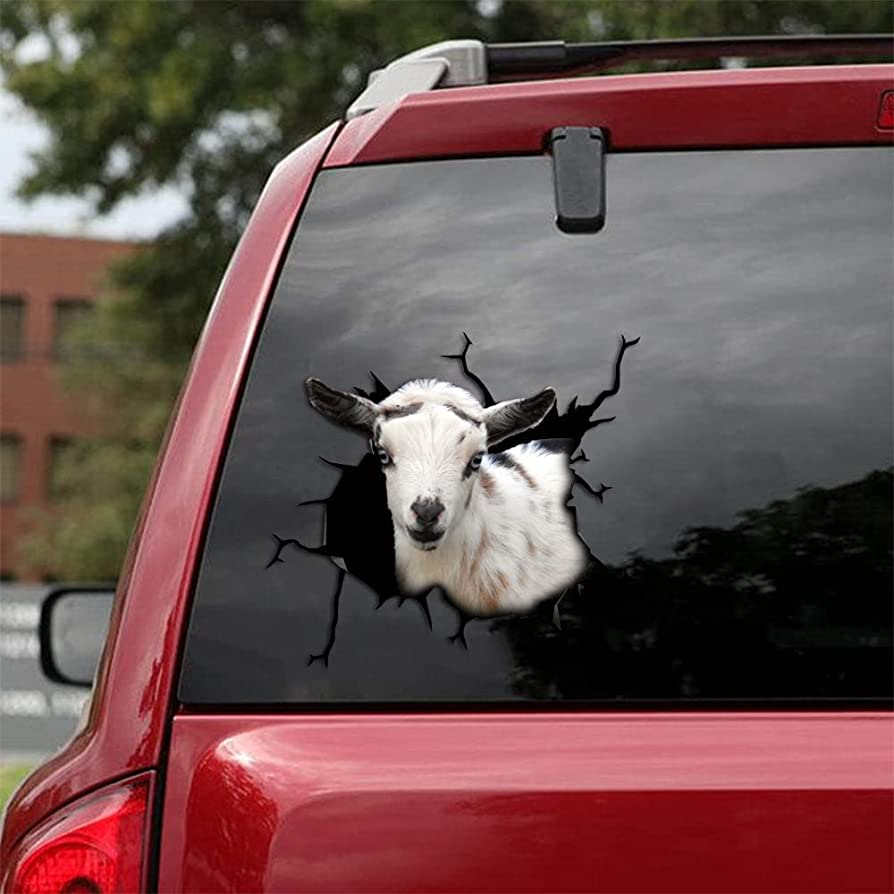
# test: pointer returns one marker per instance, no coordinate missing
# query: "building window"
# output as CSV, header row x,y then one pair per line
x,y
10,468
58,483
12,328
68,315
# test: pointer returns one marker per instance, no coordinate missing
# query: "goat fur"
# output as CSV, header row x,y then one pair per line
x,y
510,540
514,546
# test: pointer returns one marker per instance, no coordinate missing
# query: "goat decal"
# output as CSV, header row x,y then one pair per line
x,y
469,496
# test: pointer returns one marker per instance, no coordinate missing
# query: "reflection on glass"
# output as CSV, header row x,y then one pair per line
x,y
78,627
240,818
798,590
759,283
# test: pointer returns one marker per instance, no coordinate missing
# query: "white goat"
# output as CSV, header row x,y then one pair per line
x,y
492,529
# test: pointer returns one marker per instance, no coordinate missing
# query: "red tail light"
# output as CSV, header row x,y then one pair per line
x,y
94,846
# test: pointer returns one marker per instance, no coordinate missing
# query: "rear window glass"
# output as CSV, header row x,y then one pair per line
x,y
728,533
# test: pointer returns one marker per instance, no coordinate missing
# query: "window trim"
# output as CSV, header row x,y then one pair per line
x,y
20,301
83,304
54,443
17,441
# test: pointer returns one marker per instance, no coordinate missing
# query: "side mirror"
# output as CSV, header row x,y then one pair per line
x,y
73,626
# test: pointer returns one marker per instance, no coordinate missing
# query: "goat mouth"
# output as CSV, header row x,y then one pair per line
x,y
425,539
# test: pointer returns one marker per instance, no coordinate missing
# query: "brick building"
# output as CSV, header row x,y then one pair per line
x,y
47,284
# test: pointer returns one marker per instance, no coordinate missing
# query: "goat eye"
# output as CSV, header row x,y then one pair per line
x,y
382,453
475,462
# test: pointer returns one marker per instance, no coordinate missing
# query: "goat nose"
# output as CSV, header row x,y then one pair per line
x,y
427,512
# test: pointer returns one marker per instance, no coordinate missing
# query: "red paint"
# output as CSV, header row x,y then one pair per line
x,y
823,106
135,683
528,802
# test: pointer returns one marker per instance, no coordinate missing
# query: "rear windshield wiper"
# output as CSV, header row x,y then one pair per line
x,y
508,61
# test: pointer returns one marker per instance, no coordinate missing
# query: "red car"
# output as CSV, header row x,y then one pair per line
x,y
601,599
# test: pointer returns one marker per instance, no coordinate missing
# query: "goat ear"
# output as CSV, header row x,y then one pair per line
x,y
343,408
510,417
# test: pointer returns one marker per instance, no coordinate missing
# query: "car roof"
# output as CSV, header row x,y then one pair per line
x,y
741,108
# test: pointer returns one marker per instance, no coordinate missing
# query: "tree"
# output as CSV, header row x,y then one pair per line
x,y
209,96
791,600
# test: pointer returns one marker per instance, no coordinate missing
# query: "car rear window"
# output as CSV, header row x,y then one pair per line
x,y
734,495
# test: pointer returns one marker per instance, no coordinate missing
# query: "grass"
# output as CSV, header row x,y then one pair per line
x,y
10,776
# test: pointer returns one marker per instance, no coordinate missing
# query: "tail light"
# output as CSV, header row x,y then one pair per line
x,y
94,846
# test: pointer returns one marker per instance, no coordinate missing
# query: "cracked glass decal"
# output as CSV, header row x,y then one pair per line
x,y
477,497
735,515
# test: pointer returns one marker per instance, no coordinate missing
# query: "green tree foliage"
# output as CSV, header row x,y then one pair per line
x,y
208,96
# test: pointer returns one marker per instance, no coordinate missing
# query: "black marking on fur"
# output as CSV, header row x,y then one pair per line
x,y
502,459
509,462
397,412
462,414
558,445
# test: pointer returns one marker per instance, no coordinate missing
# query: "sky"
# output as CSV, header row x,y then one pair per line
x,y
139,218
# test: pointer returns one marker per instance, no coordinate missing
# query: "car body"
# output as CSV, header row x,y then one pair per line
x,y
740,796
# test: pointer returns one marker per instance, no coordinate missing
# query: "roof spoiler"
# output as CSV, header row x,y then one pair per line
x,y
464,63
